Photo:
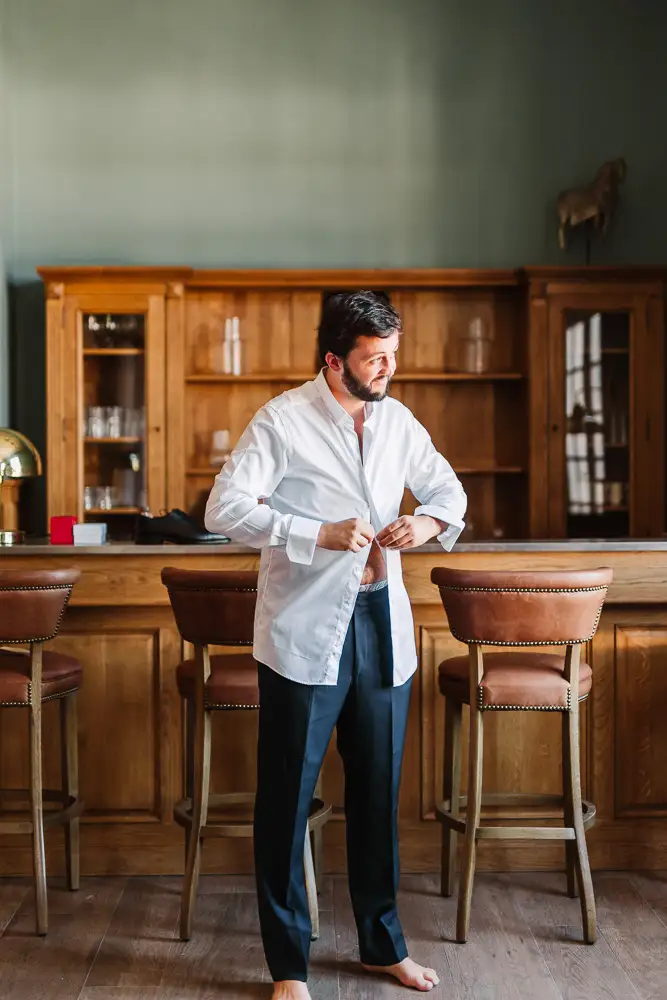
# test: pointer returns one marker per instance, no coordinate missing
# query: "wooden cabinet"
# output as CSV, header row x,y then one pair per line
x,y
106,401
471,403
462,371
544,388
597,403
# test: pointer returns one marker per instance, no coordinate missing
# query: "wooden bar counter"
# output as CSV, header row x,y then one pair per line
x,y
120,625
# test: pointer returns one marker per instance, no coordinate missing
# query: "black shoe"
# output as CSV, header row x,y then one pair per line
x,y
176,527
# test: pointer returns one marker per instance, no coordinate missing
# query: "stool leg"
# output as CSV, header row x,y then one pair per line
x,y
311,888
38,854
568,814
318,856
202,773
317,843
69,737
189,763
583,867
451,792
472,820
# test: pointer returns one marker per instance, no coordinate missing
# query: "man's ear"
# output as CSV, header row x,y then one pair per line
x,y
335,363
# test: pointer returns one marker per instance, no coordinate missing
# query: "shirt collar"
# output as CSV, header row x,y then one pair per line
x,y
338,414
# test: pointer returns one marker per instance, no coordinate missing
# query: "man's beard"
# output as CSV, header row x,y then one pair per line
x,y
359,389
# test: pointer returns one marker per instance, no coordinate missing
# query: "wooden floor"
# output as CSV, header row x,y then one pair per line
x,y
116,939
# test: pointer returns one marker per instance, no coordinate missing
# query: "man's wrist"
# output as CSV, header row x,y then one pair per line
x,y
438,526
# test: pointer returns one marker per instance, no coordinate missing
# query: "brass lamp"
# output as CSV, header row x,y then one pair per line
x,y
18,459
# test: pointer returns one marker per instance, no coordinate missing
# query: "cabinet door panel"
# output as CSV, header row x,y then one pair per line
x,y
106,446
605,428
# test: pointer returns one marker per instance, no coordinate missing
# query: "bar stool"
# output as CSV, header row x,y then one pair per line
x,y
31,609
516,609
218,608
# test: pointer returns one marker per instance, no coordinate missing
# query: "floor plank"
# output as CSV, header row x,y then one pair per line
x,y
581,972
122,993
500,960
142,949
635,933
13,891
652,886
323,969
55,967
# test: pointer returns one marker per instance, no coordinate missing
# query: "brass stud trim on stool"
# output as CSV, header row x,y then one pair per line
x,y
548,642
524,708
229,708
49,697
521,590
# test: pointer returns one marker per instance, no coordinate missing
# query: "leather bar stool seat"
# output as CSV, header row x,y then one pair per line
x,y
61,675
514,681
232,683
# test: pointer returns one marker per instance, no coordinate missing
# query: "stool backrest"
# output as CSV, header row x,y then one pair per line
x,y
213,607
540,608
32,603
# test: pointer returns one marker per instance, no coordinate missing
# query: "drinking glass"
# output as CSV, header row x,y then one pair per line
x,y
114,421
96,422
90,497
107,498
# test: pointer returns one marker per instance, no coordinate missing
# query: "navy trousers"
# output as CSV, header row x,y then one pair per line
x,y
295,725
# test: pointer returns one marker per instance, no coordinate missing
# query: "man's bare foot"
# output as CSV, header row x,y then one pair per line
x,y
290,989
409,973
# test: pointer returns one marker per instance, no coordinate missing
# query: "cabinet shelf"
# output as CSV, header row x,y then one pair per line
x,y
491,470
457,377
114,510
202,471
112,352
112,440
398,377
245,379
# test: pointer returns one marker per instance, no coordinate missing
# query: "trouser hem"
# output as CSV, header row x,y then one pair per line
x,y
281,976
384,959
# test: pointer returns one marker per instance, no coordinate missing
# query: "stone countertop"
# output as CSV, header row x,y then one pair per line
x,y
41,547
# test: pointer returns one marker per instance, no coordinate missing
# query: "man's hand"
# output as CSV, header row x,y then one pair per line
x,y
352,535
409,531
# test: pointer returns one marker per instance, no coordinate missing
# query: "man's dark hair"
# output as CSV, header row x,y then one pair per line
x,y
348,315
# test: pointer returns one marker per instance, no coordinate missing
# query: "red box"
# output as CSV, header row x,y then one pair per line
x,y
61,530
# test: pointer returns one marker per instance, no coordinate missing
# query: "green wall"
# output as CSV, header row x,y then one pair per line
x,y
317,133
327,132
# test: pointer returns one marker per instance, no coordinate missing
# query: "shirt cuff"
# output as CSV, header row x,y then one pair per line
x,y
454,527
302,539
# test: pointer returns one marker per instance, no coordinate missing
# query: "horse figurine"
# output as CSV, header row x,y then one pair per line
x,y
595,201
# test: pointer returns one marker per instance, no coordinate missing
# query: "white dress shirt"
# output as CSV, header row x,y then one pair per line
x,y
301,454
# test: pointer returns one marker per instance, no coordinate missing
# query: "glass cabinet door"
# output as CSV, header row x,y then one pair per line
x,y
596,423
114,419
106,381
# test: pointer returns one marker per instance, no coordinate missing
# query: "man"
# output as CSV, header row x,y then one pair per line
x,y
334,636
